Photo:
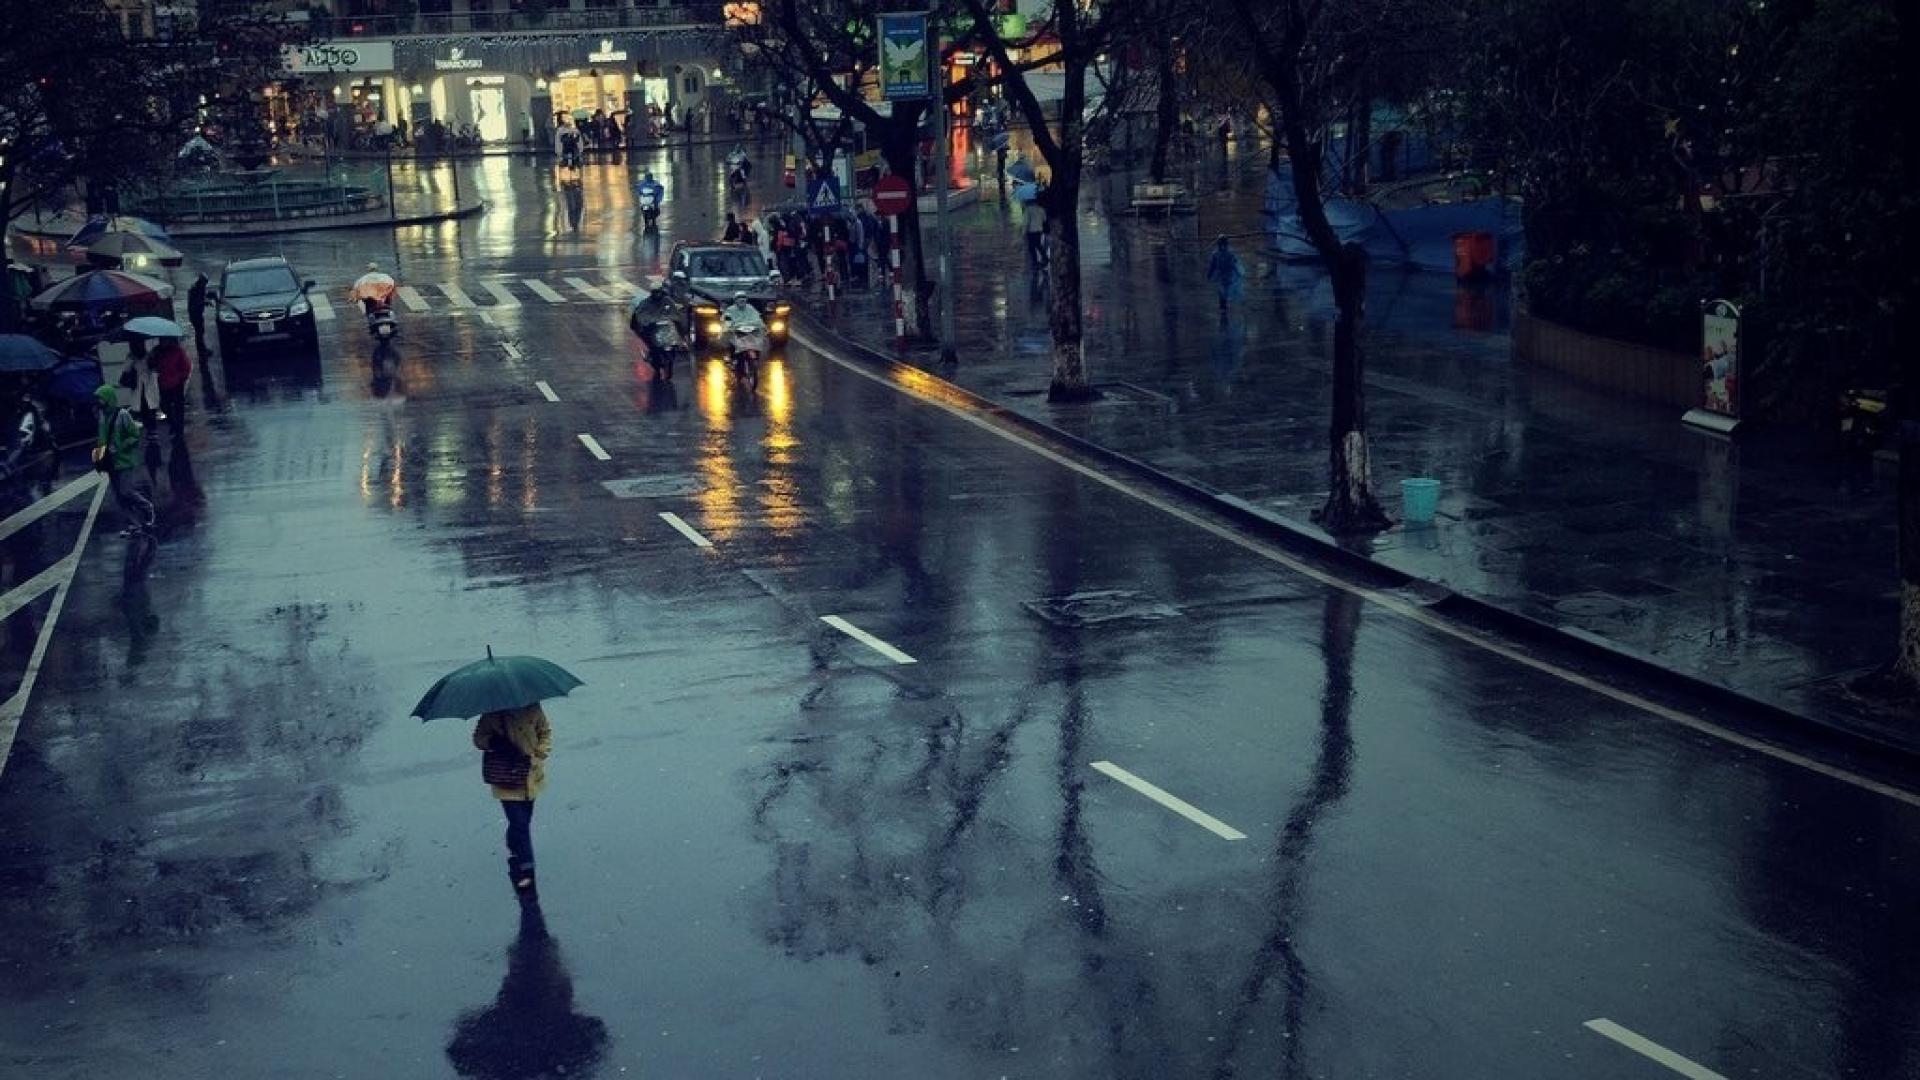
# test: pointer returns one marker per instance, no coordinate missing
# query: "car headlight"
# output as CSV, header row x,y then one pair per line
x,y
299,307
229,315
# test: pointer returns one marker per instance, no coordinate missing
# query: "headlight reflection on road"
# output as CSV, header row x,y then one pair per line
x,y
719,496
780,495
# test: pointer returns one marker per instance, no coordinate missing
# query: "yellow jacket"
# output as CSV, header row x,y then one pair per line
x,y
528,731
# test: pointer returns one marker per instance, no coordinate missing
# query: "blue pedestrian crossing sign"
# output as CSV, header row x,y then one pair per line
x,y
823,193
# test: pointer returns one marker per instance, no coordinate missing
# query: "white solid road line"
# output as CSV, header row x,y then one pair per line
x,y
48,504
456,295
15,707
867,639
588,290
1647,1048
593,447
411,297
1172,802
322,307
486,316
546,391
621,286
539,288
503,297
1398,606
685,530
512,350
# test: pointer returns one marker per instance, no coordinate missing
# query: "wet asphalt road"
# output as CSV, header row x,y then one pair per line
x,y
768,848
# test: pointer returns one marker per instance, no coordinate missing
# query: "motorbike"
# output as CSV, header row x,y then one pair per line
x,y
737,185
746,337
1865,419
664,342
650,211
383,328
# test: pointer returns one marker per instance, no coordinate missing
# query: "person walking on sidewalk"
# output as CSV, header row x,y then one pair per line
x,y
514,745
172,368
197,312
1224,270
1036,229
116,452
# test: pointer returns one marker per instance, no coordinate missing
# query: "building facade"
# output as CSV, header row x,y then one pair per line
x,y
505,73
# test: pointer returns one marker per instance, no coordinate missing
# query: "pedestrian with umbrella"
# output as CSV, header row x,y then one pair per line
x,y
170,366
512,735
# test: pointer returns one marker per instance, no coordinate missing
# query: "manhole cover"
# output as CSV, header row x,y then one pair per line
x,y
652,487
1589,606
1096,608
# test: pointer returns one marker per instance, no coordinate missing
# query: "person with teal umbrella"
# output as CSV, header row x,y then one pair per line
x,y
512,735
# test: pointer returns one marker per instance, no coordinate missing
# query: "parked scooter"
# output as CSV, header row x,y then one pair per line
x,y
745,333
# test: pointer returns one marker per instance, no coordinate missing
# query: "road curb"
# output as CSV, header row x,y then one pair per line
x,y
1472,612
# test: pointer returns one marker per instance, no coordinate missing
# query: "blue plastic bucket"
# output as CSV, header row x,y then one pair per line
x,y
1419,498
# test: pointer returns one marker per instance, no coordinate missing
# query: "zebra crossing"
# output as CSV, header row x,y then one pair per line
x,y
610,288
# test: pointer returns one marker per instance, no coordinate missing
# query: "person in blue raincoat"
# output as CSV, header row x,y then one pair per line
x,y
650,190
1224,270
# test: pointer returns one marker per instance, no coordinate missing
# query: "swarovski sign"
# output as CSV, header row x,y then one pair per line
x,y
607,54
339,56
456,60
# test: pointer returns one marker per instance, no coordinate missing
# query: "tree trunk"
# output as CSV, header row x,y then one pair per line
x,y
1167,115
1906,660
1351,505
1069,381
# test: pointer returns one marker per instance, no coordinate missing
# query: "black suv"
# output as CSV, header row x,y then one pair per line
x,y
262,300
704,278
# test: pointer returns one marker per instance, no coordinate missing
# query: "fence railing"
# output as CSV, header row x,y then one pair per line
x,y
464,22
274,196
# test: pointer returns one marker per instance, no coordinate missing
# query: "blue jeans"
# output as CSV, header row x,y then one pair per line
x,y
519,837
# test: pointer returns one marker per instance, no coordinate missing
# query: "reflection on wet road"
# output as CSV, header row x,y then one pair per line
x,y
769,846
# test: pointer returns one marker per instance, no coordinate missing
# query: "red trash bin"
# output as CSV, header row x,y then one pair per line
x,y
1473,255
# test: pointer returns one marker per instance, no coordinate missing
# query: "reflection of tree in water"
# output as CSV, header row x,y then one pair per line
x,y
176,804
885,845
1332,773
1847,909
531,1029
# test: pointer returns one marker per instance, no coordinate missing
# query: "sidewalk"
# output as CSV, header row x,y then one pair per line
x,y
1759,566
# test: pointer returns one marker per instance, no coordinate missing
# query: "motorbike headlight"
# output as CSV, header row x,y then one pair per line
x,y
782,309
714,329
778,326
708,310
229,315
300,306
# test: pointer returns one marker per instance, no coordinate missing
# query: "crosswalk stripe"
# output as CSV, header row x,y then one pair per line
x,y
501,294
541,290
590,292
456,295
322,307
621,286
412,298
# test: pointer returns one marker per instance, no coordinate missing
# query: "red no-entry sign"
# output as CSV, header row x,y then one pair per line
x,y
892,195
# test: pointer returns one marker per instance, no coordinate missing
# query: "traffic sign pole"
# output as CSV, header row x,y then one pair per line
x,y
899,306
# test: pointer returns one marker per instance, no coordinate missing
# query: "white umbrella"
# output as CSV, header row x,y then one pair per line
x,y
153,326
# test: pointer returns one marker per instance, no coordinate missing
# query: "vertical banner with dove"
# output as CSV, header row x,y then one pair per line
x,y
906,66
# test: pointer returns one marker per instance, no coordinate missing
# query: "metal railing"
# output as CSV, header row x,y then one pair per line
x,y
494,22
274,197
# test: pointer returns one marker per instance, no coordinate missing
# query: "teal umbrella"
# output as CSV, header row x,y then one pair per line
x,y
493,684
